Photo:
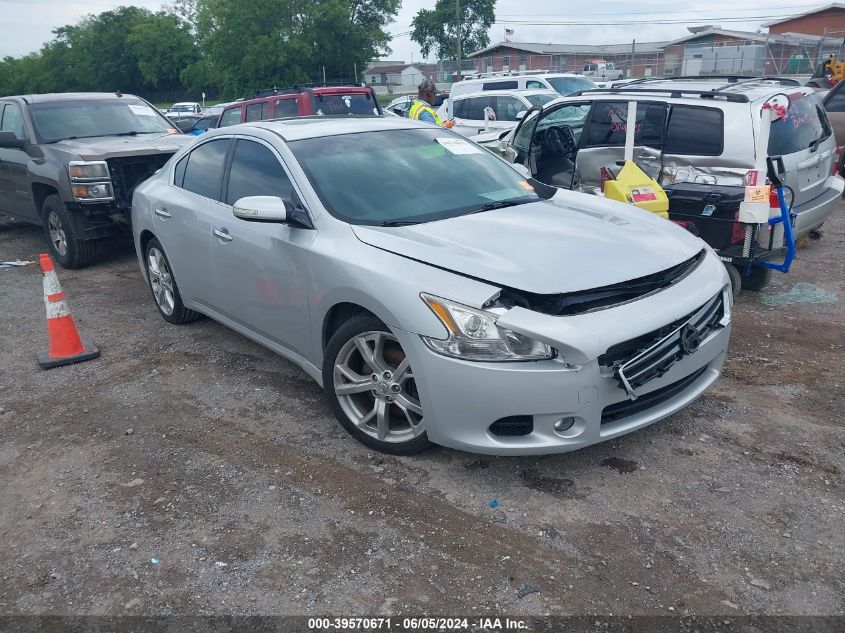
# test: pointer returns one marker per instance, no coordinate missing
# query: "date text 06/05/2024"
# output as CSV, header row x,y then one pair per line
x,y
416,624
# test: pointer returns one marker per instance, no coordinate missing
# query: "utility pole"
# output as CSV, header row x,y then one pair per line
x,y
633,52
458,15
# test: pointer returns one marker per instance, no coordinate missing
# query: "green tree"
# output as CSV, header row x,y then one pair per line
x,y
266,43
435,29
162,47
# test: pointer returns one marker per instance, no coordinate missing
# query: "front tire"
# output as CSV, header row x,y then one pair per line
x,y
63,239
166,294
371,388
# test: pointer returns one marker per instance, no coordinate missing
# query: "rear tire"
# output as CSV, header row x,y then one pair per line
x,y
162,283
371,388
63,239
758,279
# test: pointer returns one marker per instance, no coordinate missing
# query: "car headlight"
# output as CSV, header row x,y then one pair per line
x,y
95,191
474,335
81,170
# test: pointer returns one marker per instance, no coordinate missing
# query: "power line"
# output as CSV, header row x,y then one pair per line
x,y
684,12
709,20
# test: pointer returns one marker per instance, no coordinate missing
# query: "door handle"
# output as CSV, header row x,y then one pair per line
x,y
162,213
222,234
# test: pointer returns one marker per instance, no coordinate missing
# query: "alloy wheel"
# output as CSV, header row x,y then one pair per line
x,y
57,234
161,281
375,387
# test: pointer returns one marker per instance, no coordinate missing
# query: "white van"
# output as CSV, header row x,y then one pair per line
x,y
563,83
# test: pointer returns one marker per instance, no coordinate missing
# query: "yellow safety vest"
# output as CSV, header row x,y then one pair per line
x,y
418,107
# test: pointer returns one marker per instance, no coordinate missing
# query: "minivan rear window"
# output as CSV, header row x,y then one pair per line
x,y
694,130
806,123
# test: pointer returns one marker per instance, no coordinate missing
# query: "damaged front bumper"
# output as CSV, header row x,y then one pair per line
x,y
577,399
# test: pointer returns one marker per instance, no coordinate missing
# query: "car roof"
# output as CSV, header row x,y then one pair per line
x,y
317,90
69,96
295,129
507,93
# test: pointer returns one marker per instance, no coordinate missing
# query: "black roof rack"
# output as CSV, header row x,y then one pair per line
x,y
674,93
269,92
730,79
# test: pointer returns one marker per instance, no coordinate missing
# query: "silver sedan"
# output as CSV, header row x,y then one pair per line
x,y
436,294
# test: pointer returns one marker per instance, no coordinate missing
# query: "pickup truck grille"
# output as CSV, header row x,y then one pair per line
x,y
127,173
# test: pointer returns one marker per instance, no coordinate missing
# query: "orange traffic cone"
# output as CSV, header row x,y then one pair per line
x,y
66,346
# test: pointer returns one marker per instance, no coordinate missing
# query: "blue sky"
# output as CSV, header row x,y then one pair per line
x,y
27,24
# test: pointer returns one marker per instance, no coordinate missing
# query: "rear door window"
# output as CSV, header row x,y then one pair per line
x,y
694,130
230,117
507,108
204,171
286,107
473,108
256,172
805,125
257,111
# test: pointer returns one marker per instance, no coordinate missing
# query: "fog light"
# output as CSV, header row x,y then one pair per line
x,y
564,424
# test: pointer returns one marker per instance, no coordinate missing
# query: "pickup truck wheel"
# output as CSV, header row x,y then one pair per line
x,y
166,294
64,242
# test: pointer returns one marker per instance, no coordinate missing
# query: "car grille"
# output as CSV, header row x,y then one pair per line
x,y
627,408
567,304
640,360
127,173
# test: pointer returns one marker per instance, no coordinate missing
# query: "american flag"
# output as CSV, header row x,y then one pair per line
x,y
508,34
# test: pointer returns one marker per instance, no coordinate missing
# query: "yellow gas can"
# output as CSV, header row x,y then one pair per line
x,y
633,186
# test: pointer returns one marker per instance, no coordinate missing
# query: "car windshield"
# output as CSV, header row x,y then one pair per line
x,y
394,177
334,105
182,107
60,120
538,100
568,85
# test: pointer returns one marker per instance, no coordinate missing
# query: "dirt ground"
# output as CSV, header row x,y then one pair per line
x,y
190,471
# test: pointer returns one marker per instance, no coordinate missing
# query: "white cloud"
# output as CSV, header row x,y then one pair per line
x,y
27,24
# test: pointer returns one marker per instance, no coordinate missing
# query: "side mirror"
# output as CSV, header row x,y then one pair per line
x,y
521,115
10,141
262,209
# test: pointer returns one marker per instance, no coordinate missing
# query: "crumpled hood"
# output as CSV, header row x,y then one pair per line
x,y
572,242
115,146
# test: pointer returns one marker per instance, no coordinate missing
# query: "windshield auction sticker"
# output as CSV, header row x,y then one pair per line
x,y
142,110
459,146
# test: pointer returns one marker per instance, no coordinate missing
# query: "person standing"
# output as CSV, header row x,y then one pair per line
x,y
421,108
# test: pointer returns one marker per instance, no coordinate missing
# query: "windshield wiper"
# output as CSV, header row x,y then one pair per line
x,y
814,145
399,223
501,204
